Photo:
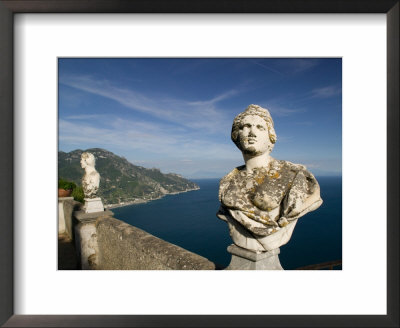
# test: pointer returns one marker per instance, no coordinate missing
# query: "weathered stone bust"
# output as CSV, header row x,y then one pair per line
x,y
263,199
91,178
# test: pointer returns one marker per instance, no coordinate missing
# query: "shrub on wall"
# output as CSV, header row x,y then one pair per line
x,y
78,194
66,185
77,191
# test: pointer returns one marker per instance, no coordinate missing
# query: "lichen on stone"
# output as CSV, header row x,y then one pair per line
x,y
288,191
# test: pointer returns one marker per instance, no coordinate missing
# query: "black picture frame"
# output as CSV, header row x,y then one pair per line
x,y
10,7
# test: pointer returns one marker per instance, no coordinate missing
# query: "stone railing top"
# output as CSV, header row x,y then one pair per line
x,y
142,250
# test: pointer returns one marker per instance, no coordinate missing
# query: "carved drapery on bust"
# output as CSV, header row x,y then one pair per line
x,y
91,178
262,200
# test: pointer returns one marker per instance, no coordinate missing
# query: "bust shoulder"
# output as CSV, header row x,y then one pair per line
x,y
293,166
280,171
224,182
275,166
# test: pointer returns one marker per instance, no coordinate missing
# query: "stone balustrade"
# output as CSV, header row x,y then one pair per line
x,y
125,247
66,206
103,242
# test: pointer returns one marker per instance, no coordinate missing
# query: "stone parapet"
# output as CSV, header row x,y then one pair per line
x,y
86,238
66,207
125,247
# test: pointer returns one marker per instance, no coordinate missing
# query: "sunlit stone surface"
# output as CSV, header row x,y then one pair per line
x,y
90,184
262,200
91,178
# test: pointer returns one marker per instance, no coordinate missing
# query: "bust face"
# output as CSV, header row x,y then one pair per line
x,y
254,135
87,160
83,163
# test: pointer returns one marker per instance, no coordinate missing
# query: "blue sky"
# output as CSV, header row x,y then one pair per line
x,y
176,114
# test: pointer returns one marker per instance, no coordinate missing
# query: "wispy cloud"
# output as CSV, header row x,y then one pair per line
x,y
85,117
141,137
282,111
326,92
303,64
277,109
201,114
266,67
296,65
285,67
213,101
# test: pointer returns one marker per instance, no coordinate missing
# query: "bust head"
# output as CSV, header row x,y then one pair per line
x,y
87,159
253,131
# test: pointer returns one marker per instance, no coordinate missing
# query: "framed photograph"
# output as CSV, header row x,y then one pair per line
x,y
149,122
58,52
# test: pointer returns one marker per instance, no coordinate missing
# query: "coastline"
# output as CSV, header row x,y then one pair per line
x,y
144,201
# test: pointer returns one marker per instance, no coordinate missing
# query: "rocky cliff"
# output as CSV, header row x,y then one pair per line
x,y
121,181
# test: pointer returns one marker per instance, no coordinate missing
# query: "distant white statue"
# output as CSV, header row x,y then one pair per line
x,y
90,184
262,200
91,178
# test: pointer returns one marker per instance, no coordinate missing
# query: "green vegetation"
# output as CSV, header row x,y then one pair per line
x,y
64,184
77,192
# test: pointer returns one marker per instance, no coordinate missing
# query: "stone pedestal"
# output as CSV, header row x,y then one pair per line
x,y
86,238
243,259
93,205
243,238
61,214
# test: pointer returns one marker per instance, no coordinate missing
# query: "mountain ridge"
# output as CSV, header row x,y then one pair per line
x,y
122,182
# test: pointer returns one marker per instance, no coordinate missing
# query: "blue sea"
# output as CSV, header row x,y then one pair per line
x,y
189,221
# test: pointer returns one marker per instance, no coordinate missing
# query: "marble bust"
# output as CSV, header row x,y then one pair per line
x,y
91,178
262,200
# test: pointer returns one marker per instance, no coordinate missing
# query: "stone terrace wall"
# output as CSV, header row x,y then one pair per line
x,y
66,205
125,247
